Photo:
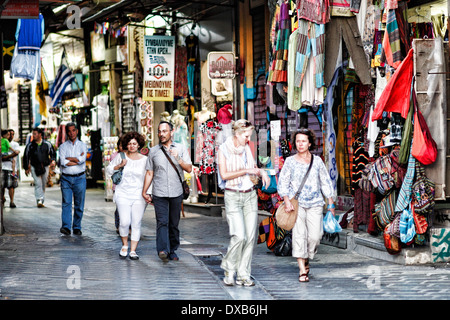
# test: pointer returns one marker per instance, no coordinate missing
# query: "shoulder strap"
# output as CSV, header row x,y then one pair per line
x,y
305,177
170,160
122,154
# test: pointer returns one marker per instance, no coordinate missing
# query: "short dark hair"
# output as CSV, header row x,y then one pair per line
x,y
130,136
38,130
4,131
308,132
71,124
169,123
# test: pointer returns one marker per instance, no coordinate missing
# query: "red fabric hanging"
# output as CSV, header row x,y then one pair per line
x,y
396,96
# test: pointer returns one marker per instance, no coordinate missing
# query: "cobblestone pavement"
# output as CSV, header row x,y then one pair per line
x,y
37,262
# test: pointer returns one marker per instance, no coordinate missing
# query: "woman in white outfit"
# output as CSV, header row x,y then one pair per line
x,y
128,193
308,228
237,175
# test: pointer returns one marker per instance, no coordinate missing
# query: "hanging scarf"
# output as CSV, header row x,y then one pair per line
x,y
235,161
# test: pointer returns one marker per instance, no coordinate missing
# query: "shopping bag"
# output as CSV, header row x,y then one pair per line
x,y
423,148
330,224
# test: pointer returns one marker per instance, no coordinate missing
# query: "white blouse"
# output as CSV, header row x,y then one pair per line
x,y
132,178
317,186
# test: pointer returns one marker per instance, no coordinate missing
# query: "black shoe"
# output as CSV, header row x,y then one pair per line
x,y
12,205
77,232
65,231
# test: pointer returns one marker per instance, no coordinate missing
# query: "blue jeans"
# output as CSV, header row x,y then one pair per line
x,y
167,211
72,187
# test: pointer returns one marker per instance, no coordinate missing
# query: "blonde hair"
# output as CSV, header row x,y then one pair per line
x,y
242,125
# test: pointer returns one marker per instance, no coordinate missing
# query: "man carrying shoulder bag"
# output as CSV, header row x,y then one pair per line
x,y
167,189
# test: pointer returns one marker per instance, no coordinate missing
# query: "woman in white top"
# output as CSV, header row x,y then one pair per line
x,y
128,193
238,174
308,228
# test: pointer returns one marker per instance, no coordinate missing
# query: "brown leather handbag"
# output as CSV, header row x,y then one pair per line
x,y
286,220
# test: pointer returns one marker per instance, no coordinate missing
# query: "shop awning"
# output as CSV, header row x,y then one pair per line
x,y
55,12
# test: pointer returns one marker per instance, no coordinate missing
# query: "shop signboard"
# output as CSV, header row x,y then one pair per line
x,y
159,68
221,65
21,9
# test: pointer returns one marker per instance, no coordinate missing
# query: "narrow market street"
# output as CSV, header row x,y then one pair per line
x,y
39,263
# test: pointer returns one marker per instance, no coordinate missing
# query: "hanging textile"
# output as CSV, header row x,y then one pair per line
x,y
278,68
345,28
294,93
396,95
329,144
316,11
391,42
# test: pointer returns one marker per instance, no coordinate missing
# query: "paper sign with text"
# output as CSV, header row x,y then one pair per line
x,y
159,68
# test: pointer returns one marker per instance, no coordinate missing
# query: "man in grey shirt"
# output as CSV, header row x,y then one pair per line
x,y
167,191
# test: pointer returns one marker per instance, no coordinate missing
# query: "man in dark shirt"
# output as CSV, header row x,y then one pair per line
x,y
39,154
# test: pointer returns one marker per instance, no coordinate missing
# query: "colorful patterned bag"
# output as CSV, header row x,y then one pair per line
x,y
382,178
391,243
384,211
422,191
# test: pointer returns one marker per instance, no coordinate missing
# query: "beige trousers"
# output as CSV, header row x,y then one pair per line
x,y
307,232
242,218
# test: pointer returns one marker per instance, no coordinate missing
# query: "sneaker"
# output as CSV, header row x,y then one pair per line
x,y
40,204
245,282
229,279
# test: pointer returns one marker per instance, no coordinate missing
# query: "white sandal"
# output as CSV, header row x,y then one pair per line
x,y
123,252
133,255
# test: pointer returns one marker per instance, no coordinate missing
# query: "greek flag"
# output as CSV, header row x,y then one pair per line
x,y
63,78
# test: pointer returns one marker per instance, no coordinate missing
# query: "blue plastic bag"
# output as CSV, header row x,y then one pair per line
x,y
330,224
407,226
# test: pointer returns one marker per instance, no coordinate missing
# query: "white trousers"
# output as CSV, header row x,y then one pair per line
x,y
242,218
307,232
130,214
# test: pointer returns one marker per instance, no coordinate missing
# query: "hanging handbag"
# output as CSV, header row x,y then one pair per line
x,y
407,226
422,191
384,211
394,226
286,220
420,222
185,186
391,243
424,148
117,175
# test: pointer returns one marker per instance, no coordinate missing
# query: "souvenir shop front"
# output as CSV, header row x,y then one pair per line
x,y
370,79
